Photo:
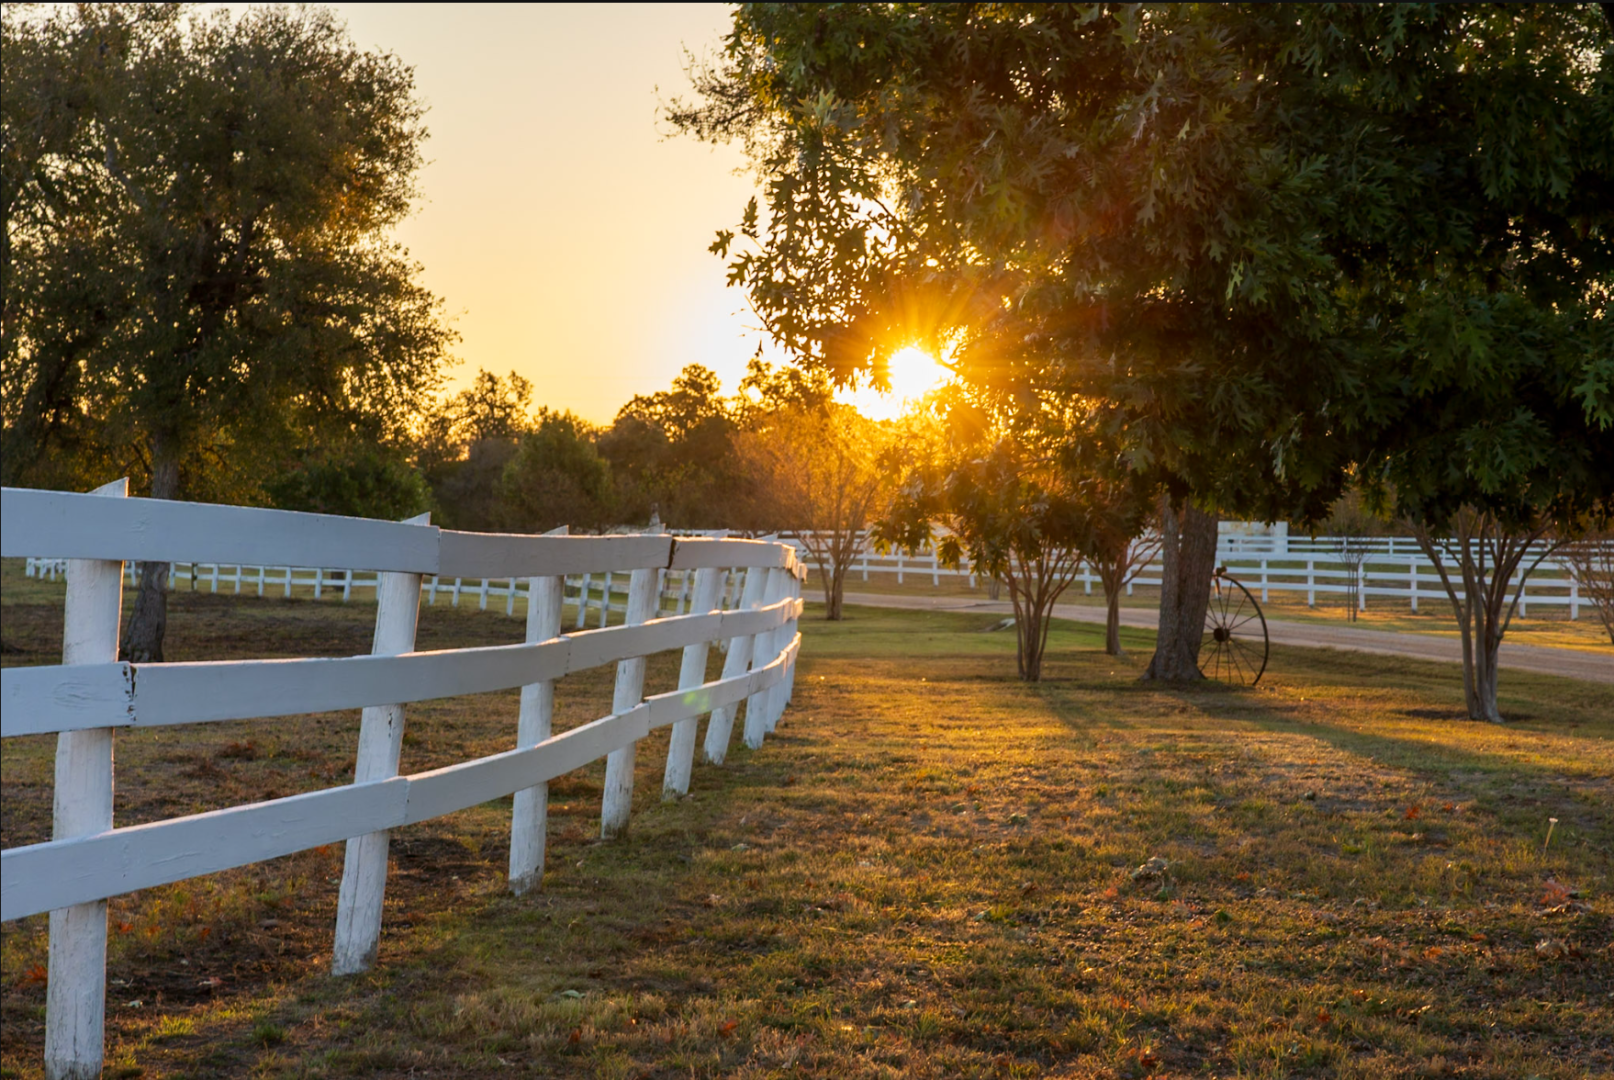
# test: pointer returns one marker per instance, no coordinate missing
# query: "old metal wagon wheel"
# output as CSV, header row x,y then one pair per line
x,y
1235,647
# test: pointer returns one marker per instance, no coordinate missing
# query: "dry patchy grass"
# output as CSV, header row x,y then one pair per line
x,y
932,870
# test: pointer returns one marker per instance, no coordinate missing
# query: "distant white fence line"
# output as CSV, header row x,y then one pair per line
x,y
591,596
92,693
1394,568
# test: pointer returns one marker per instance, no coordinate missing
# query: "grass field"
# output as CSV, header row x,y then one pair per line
x,y
932,870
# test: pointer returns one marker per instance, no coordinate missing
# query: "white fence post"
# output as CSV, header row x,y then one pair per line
x,y
720,728
545,597
364,873
617,804
779,696
691,673
75,1010
582,601
790,680
762,651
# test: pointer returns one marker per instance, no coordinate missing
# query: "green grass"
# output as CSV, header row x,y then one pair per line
x,y
931,870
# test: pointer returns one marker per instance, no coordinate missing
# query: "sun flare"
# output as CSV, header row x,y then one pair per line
x,y
914,373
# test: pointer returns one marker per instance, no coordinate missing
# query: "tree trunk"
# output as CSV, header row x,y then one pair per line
x,y
1027,655
837,593
1188,553
1480,685
1488,558
148,622
1112,622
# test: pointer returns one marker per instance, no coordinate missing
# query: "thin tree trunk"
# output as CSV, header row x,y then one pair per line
x,y
1481,603
1189,562
1112,623
148,622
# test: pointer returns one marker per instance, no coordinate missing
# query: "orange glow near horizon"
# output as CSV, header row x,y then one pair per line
x,y
914,373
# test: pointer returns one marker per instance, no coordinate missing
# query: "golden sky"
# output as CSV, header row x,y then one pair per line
x,y
562,224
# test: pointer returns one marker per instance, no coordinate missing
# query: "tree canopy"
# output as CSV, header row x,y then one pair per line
x,y
1269,235
196,259
197,269
1280,244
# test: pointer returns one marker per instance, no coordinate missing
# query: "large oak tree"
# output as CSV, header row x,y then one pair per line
x,y
196,263
1276,240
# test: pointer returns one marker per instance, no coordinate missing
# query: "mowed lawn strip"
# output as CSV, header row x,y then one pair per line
x,y
933,869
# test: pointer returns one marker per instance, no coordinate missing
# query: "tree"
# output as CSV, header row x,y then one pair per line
x,y
1280,240
196,262
1589,559
1120,551
1084,201
361,479
1486,408
465,444
1004,504
557,477
1350,528
671,453
1489,558
814,467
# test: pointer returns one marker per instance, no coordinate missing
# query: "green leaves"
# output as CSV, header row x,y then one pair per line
x,y
1277,240
197,214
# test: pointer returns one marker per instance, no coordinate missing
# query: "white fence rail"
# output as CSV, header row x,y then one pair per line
x,y
592,597
92,694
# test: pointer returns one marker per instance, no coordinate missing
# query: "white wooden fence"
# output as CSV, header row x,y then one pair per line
x,y
591,597
1394,569
92,694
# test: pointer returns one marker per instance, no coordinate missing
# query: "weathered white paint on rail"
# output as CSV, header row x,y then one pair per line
x,y
41,877
698,554
456,787
500,555
65,524
60,698
60,873
36,700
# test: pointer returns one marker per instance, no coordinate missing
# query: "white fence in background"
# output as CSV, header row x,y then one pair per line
x,y
1394,569
86,699
592,597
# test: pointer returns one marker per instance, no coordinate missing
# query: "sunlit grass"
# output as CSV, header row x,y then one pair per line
x,y
931,870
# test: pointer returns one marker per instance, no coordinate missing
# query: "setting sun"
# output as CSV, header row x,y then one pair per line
x,y
914,373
